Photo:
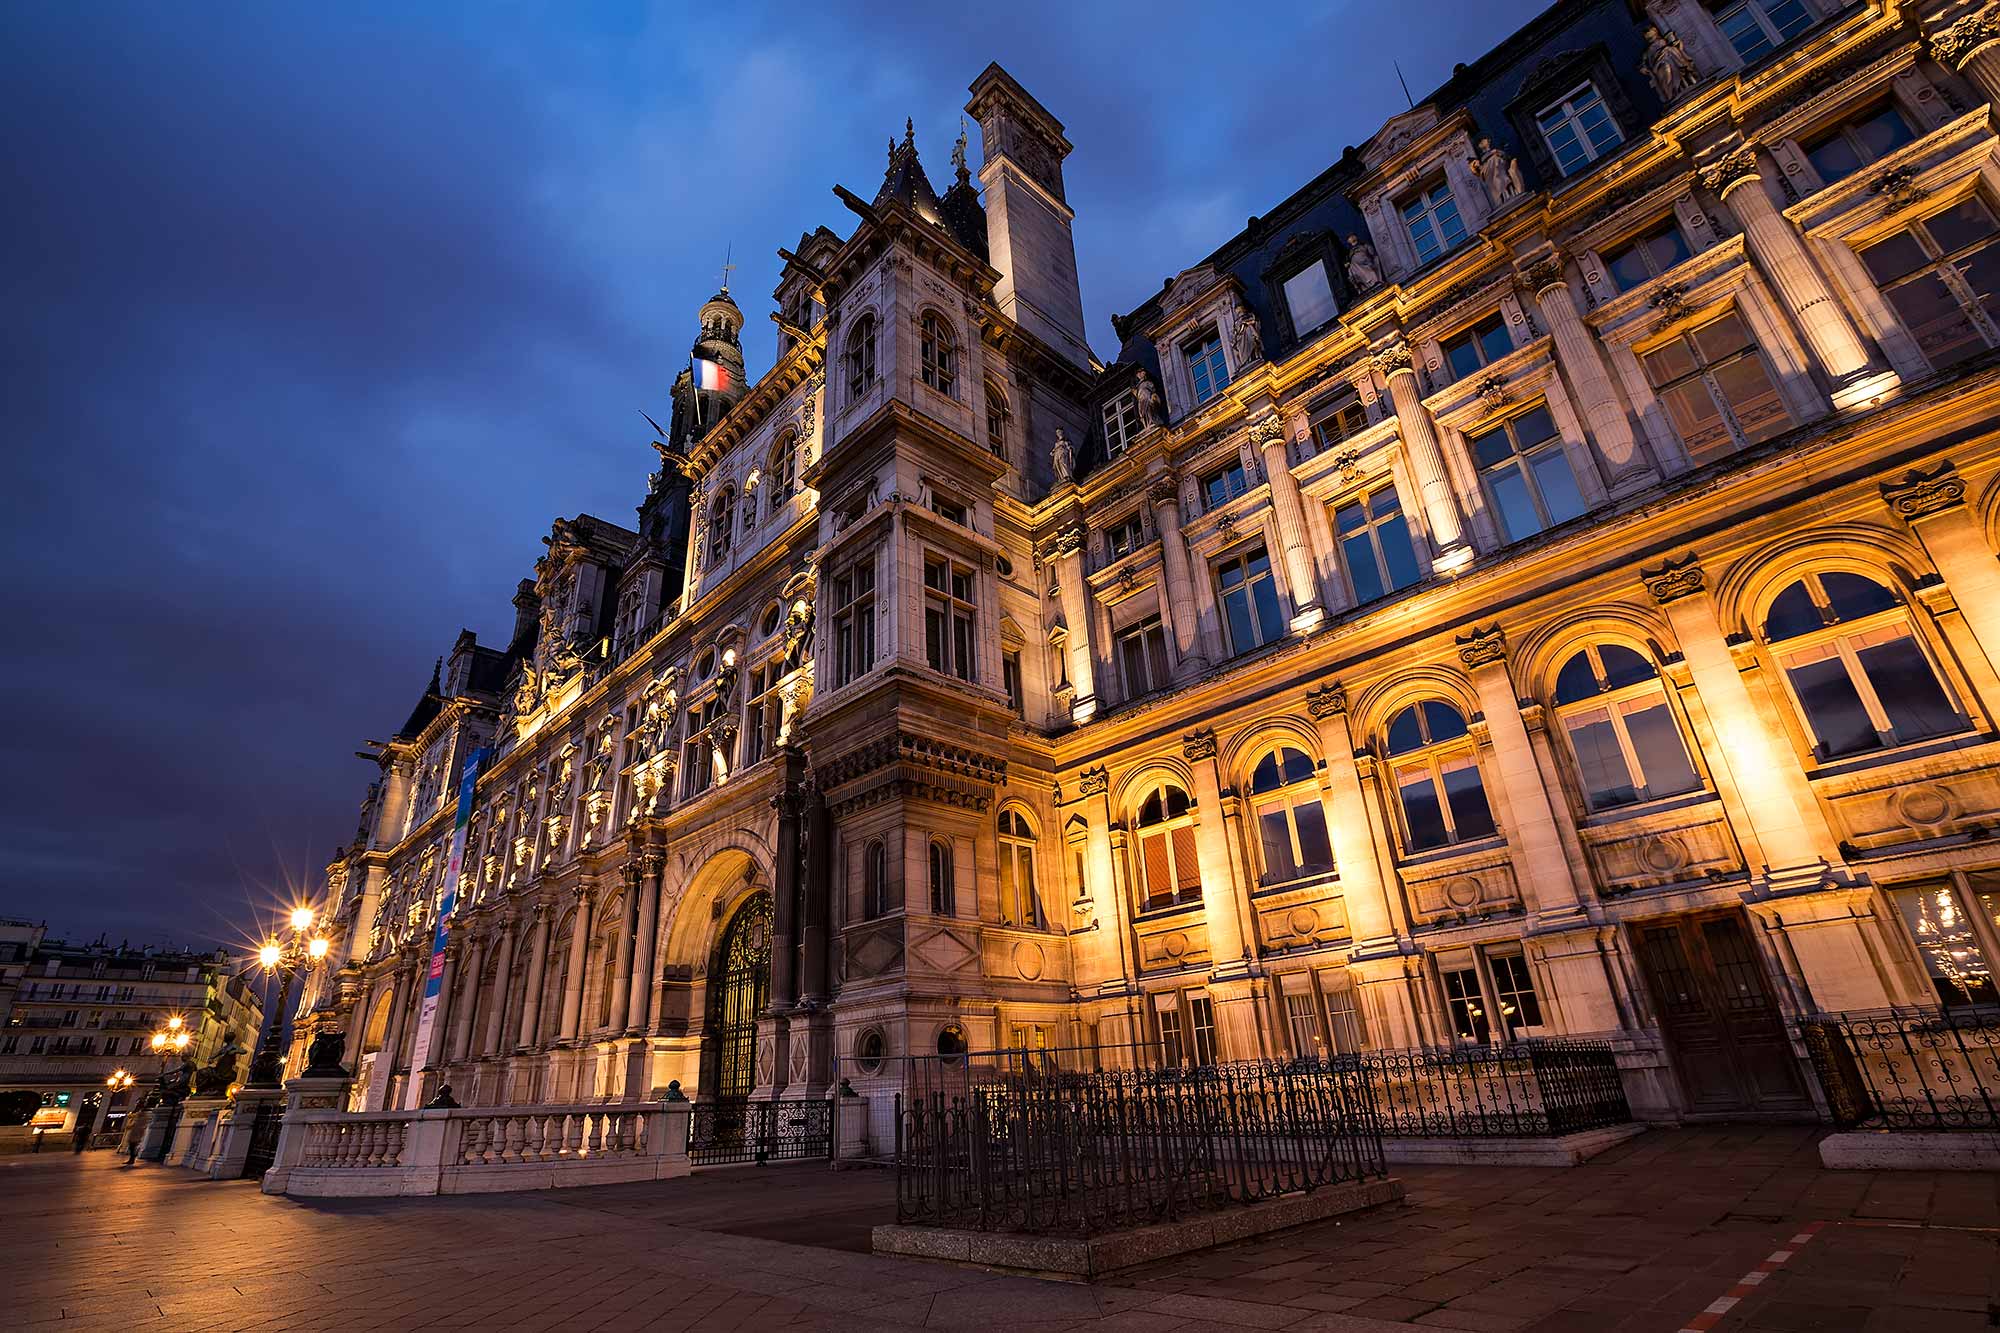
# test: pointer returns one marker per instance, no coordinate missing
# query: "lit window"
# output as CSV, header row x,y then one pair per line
x,y
1480,345
944,882
1527,473
1343,1016
1854,666
1437,777
1121,422
1855,142
1020,904
1291,822
1173,1046
853,621
996,420
1142,655
948,621
1466,1003
1758,27
1224,484
1201,1029
764,711
1338,423
1206,367
861,356
1627,745
1955,924
1309,298
1375,544
1302,1018
1716,389
1514,988
1249,597
1940,276
1123,538
939,353
1579,129
1168,870
1431,218
1646,258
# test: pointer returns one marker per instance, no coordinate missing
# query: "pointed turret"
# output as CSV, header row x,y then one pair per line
x,y
963,212
715,377
905,181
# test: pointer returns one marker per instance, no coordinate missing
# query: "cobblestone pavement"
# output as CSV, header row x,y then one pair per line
x,y
1647,1238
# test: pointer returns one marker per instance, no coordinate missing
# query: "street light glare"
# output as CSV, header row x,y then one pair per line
x,y
302,918
317,948
269,955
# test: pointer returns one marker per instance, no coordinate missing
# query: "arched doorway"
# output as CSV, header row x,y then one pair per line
x,y
739,986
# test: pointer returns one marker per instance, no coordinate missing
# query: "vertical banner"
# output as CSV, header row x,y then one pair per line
x,y
420,1054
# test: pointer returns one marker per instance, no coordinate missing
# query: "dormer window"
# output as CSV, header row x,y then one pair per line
x,y
1855,142
1309,298
1121,422
1758,27
1431,217
1206,368
1579,129
940,353
1647,257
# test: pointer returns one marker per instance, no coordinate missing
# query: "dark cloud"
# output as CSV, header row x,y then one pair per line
x,y
318,314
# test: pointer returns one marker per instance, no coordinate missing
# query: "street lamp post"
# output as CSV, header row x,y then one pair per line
x,y
281,960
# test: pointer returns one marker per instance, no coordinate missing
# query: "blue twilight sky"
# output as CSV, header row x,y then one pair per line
x,y
317,314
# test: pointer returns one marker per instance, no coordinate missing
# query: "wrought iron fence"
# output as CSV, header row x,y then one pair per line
x,y
1547,1086
1043,1148
1909,1069
725,1132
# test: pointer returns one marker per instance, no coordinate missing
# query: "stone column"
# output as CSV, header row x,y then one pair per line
x,y
621,975
1420,443
790,802
538,961
639,1009
1965,37
815,975
503,968
1932,502
461,1014
356,943
1301,575
1778,813
1097,929
579,956
1626,466
1736,178
1547,885
1226,948
1361,884
1164,494
1068,555
395,806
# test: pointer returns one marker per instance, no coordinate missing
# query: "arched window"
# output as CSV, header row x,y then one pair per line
x,y
1437,777
721,521
874,880
861,357
781,478
1291,822
1168,870
1851,657
1627,745
944,883
951,1044
1019,903
996,420
940,353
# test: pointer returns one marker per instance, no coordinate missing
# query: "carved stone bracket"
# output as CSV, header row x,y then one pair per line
x,y
1676,578
1493,391
1093,781
1199,744
1724,173
1479,647
1543,272
1326,700
1921,493
1394,360
1898,189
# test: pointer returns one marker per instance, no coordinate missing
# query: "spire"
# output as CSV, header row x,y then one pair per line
x,y
962,211
962,171
905,182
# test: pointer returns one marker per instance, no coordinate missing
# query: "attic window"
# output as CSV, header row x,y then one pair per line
x,y
1121,422
1309,298
1579,129
1431,217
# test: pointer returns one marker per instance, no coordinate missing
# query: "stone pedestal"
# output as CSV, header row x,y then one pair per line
x,y
309,1094
850,1125
811,1055
159,1124
195,1115
228,1164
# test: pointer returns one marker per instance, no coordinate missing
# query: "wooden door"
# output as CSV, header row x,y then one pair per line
x,y
1721,1023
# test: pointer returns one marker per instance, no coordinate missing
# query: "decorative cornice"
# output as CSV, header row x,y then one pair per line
x,y
1675,579
1958,42
1921,493
1481,647
1327,700
1199,744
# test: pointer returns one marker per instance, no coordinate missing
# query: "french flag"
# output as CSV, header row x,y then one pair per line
x,y
711,375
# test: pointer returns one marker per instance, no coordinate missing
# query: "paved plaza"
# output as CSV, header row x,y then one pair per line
x,y
1649,1237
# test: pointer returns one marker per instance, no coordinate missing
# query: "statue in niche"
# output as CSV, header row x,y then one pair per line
x,y
1500,173
1363,269
1667,64
1246,339
1062,457
798,634
1148,398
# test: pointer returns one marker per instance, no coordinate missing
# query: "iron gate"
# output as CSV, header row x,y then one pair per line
x,y
170,1115
721,1133
264,1132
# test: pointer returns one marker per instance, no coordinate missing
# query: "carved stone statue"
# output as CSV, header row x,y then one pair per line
x,y
1667,65
1363,269
798,634
1246,338
1148,398
1500,173
1062,457
214,1079
323,1056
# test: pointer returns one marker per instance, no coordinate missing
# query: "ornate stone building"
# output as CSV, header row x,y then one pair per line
x,y
1539,578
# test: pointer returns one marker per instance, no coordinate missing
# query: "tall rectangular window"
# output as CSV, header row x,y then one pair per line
x,y
1010,679
1942,275
1839,152
1173,1044
1337,423
1142,655
1956,927
1249,597
1206,366
1431,218
1647,257
1579,129
760,729
1121,422
1309,298
1467,1004
1758,27
854,621
1224,484
1481,345
1527,474
1302,1017
1123,538
1201,1029
1514,990
1716,389
1375,544
1343,1016
948,618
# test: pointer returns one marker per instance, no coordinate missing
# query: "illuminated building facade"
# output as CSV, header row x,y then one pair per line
x,y
1537,579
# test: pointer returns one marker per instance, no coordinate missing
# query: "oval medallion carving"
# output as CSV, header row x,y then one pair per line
x,y
1028,960
1462,892
1923,805
1303,921
1174,945
1663,855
